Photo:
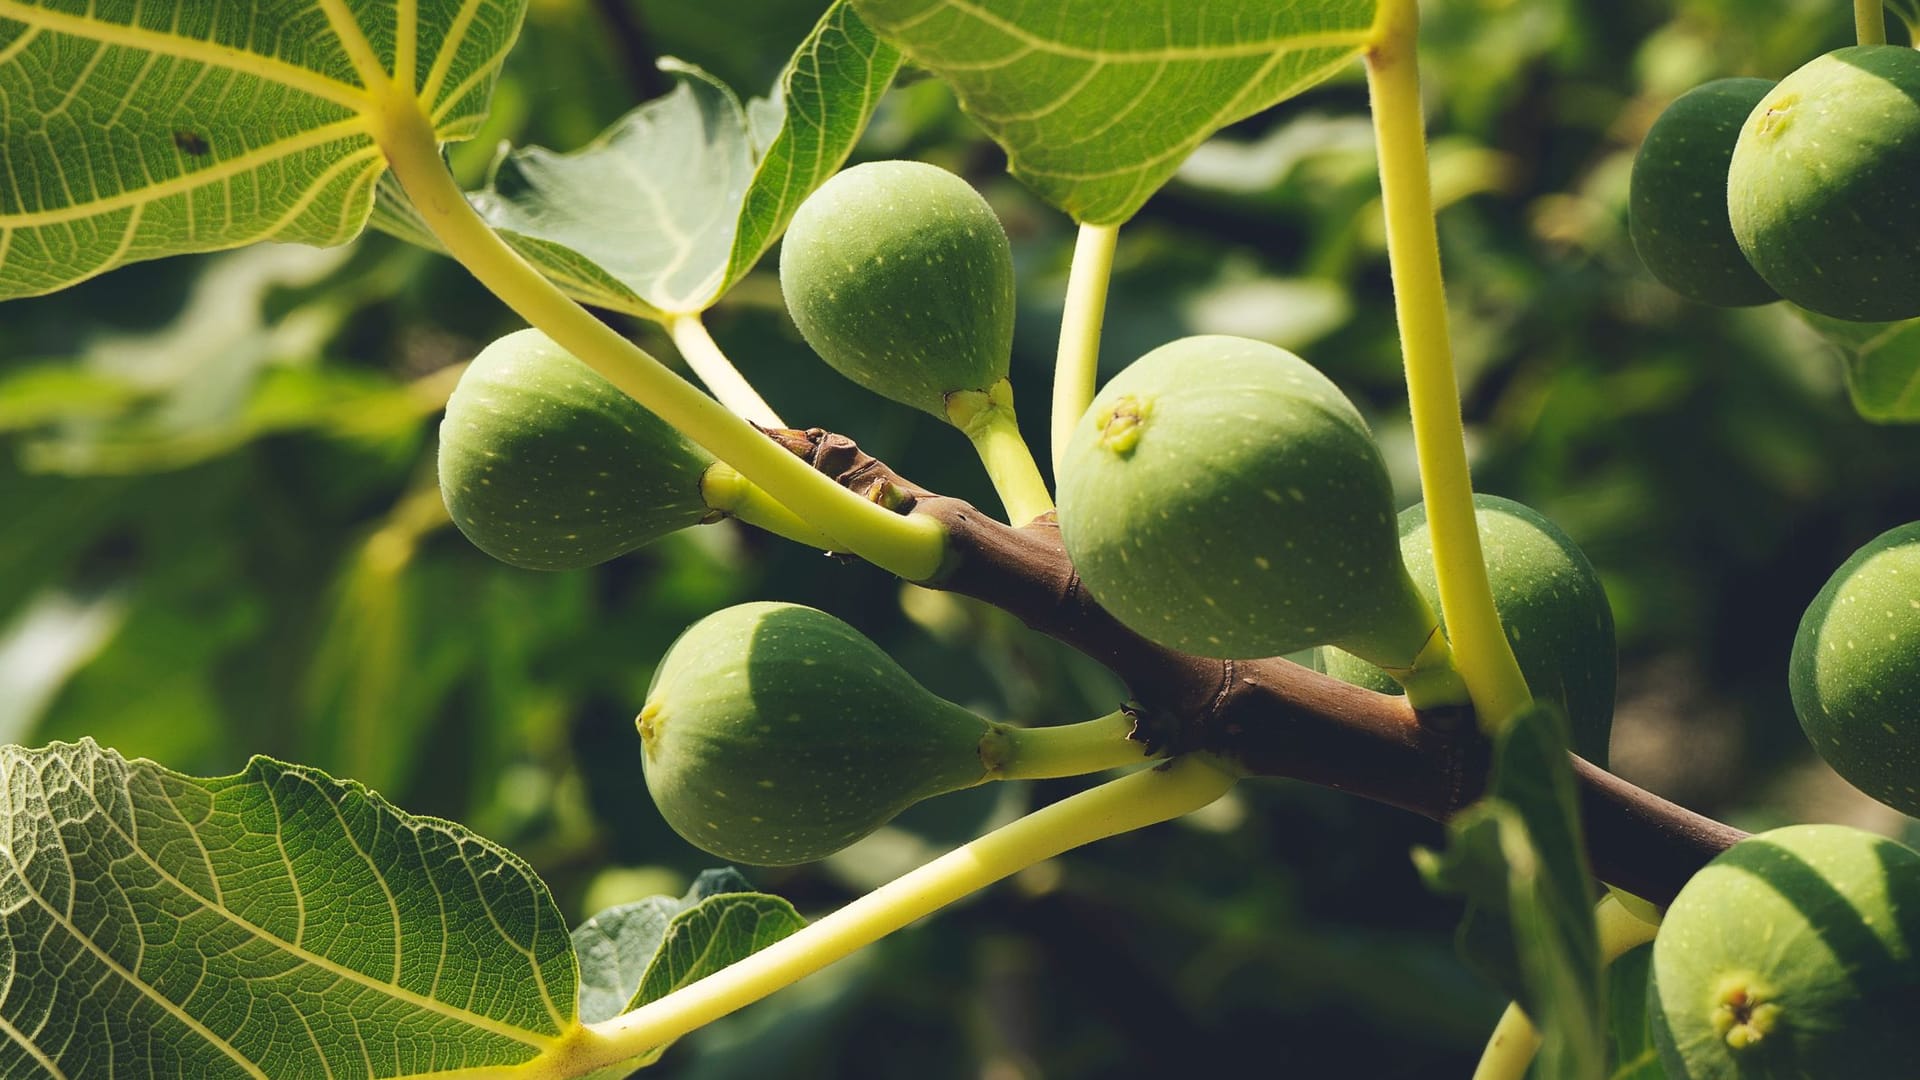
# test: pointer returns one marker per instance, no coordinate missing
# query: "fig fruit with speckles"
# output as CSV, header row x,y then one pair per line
x,y
1855,672
1677,206
776,734
1224,498
1551,604
548,466
900,276
1792,955
1824,186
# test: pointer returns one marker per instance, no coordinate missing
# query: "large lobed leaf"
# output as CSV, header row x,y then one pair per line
x,y
276,923
1098,102
131,130
676,201
1518,856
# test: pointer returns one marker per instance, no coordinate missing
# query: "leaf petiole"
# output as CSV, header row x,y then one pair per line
x,y
717,373
1480,646
1076,371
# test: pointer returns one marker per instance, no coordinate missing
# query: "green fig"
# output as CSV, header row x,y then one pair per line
x,y
1224,498
1677,205
546,465
900,276
1550,601
777,734
1855,672
1824,186
1792,955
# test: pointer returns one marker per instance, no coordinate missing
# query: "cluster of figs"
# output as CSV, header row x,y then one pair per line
x,y
1797,953
1221,497
1746,191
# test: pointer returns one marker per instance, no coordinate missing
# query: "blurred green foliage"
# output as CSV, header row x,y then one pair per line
x,y
219,536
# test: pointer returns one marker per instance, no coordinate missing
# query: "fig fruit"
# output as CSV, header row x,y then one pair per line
x,y
1825,180
900,276
546,465
1792,955
1855,672
1677,204
1550,601
1224,498
777,734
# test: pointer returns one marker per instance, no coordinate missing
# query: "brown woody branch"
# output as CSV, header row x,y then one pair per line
x,y
1272,717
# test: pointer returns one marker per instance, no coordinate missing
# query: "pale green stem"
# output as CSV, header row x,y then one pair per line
x,y
1480,647
1870,22
1511,1048
989,422
910,546
1076,370
1510,1051
723,488
729,387
1020,753
1134,801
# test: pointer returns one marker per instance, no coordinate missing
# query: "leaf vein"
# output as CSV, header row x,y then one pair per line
x,y
90,28
20,1039
1260,46
106,959
456,39
359,978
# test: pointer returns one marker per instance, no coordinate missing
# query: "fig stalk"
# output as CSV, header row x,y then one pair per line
x,y
724,489
1044,753
987,419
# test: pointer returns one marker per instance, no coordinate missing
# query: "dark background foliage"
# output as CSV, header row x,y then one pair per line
x,y
219,536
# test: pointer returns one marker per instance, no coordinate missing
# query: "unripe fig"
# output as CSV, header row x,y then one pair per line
x,y
1791,955
1224,498
546,465
1550,601
777,734
1855,673
1677,206
900,276
1825,183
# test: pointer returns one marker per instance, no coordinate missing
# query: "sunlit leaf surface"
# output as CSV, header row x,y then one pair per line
x,y
135,130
